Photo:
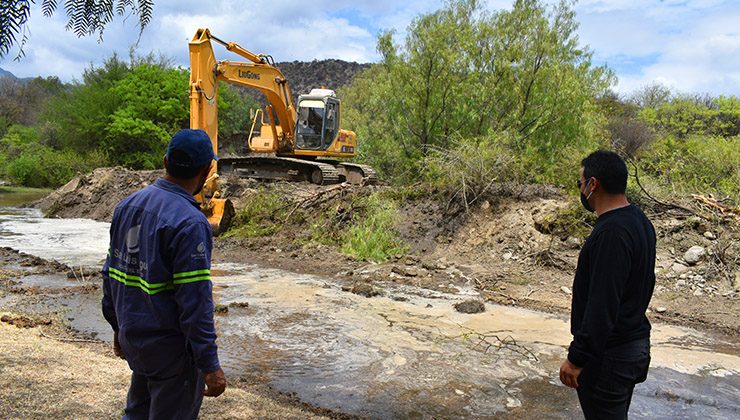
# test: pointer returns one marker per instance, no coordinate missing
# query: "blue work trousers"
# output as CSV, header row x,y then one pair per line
x,y
175,394
605,386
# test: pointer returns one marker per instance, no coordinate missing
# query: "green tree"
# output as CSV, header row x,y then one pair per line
x,y
465,72
153,105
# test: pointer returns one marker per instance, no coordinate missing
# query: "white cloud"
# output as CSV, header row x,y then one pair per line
x,y
691,45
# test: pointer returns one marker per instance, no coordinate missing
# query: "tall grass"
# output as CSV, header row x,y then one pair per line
x,y
373,236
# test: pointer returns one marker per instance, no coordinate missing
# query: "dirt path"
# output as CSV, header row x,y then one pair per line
x,y
41,377
48,370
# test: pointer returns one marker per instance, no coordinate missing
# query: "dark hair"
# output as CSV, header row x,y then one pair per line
x,y
608,168
180,166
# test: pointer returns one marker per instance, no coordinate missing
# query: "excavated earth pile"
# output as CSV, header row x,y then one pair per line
x,y
95,195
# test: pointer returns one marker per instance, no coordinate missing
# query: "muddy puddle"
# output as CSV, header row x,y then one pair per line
x,y
408,353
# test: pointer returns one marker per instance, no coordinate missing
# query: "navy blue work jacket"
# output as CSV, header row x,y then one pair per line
x,y
157,291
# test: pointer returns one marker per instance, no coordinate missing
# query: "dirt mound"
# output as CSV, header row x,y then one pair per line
x,y
24,321
95,195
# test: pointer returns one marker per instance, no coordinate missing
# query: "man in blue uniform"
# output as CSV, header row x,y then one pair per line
x,y
614,282
157,288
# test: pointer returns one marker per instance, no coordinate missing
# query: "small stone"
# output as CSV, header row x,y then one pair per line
x,y
566,290
470,306
221,309
679,268
428,265
486,205
457,391
661,309
680,283
573,243
698,292
507,256
694,255
364,289
709,235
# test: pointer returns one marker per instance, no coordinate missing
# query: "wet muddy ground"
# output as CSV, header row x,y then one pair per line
x,y
405,353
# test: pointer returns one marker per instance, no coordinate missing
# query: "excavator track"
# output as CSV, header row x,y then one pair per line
x,y
358,174
285,168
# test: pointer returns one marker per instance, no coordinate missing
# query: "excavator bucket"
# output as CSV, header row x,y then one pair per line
x,y
220,212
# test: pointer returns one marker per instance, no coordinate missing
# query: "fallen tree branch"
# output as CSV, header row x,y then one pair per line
x,y
485,341
669,205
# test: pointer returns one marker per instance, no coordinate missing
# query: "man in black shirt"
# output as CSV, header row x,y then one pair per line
x,y
614,282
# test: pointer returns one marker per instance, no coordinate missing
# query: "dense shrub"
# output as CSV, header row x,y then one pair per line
x,y
696,164
372,235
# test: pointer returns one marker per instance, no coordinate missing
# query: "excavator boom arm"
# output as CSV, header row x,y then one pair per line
x,y
256,74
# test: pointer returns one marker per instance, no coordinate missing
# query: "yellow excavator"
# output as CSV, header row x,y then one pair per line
x,y
290,142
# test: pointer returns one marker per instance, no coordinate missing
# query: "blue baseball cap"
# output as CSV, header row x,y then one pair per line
x,y
190,149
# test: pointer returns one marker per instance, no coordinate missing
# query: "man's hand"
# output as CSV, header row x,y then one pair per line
x,y
117,347
569,374
215,383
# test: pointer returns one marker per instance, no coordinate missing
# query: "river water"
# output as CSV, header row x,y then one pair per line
x,y
406,354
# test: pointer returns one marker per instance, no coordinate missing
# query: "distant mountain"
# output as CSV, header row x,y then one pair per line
x,y
306,75
331,74
5,73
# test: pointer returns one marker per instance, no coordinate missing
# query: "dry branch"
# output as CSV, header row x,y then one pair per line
x,y
486,341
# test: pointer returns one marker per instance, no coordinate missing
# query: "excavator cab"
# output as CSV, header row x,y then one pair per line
x,y
318,120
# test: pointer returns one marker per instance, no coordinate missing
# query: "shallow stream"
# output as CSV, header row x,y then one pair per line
x,y
405,354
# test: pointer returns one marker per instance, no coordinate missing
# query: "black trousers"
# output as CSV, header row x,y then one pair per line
x,y
605,386
175,394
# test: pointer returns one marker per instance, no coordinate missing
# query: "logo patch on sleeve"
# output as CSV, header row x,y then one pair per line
x,y
132,239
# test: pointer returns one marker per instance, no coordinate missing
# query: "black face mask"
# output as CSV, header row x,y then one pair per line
x,y
584,199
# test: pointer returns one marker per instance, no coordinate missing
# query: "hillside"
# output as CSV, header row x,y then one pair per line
x,y
5,73
303,76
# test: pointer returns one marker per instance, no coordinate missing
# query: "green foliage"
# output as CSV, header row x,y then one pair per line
x,y
263,215
696,164
571,220
683,116
467,171
233,117
153,106
27,162
464,72
372,236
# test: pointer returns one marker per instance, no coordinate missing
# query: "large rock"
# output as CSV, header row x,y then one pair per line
x,y
694,255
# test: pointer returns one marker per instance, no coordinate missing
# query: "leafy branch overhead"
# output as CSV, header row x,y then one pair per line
x,y
86,18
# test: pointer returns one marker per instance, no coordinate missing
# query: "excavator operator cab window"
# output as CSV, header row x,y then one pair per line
x,y
310,124
331,122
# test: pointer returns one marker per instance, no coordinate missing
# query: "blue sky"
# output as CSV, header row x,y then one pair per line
x,y
691,46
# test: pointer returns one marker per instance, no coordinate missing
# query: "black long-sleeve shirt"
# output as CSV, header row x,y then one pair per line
x,y
613,284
